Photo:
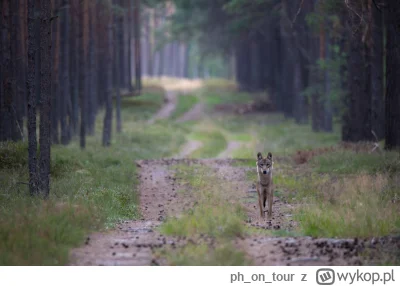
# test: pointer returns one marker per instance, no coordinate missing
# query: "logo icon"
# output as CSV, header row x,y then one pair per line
x,y
325,276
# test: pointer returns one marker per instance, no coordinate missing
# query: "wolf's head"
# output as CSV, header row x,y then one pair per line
x,y
264,165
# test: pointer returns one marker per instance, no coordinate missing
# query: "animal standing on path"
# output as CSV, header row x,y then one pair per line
x,y
264,184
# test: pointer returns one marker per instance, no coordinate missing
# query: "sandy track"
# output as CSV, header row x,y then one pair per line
x,y
195,113
232,146
135,242
168,108
189,148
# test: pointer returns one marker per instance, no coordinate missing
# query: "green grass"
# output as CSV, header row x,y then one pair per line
x,y
213,98
185,103
216,215
141,107
213,143
348,162
90,189
223,254
362,206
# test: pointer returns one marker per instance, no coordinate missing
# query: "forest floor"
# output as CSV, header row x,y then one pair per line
x,y
177,187
202,209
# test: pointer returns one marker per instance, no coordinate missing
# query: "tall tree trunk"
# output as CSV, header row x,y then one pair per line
x,y
2,99
109,63
45,98
328,126
20,67
117,63
392,101
377,111
358,118
74,69
16,119
55,82
151,25
138,74
130,23
121,47
64,71
30,86
9,74
82,73
92,96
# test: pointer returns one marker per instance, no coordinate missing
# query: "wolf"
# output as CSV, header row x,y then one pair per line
x,y
264,184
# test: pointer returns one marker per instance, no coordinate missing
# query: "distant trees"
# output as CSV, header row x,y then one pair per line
x,y
318,59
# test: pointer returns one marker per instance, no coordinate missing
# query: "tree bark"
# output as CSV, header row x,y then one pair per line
x,y
8,75
392,101
64,71
45,99
82,73
107,125
117,64
130,23
30,86
138,74
55,82
74,70
92,96
358,118
377,111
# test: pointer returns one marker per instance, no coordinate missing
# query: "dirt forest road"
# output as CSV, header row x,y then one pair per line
x,y
137,242
160,191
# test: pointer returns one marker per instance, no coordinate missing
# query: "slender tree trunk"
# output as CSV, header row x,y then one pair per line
x,y
151,26
82,73
45,99
8,75
20,67
92,96
109,63
30,86
138,74
358,115
55,89
377,112
130,23
328,126
121,46
392,101
64,71
2,99
16,123
161,61
117,63
74,69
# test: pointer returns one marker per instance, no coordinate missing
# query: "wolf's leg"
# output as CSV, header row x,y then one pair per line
x,y
259,200
264,197
270,201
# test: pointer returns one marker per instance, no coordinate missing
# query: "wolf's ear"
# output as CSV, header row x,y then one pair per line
x,y
269,156
259,156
